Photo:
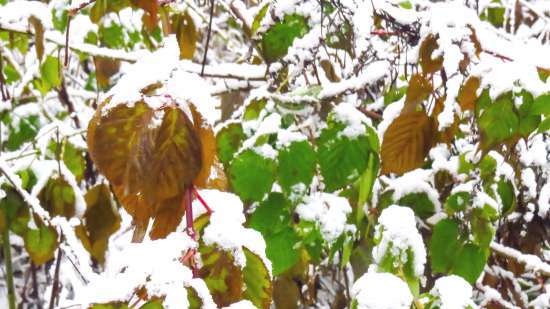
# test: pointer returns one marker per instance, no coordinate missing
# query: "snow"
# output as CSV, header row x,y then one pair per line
x,y
416,181
381,291
397,232
225,228
354,120
544,200
453,292
328,210
372,73
18,12
154,264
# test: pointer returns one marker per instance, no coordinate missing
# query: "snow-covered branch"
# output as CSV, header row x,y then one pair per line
x,y
531,262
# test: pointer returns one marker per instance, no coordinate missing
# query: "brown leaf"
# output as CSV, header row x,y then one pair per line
x,y
475,40
419,90
285,293
186,33
38,36
149,156
406,142
329,70
105,68
167,218
429,65
209,148
467,95
448,134
151,8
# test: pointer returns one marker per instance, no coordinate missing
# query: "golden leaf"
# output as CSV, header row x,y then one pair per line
x,y
406,142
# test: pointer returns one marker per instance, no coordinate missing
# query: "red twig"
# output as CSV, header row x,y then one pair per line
x,y
203,202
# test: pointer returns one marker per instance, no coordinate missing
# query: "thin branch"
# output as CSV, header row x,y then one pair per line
x,y
208,34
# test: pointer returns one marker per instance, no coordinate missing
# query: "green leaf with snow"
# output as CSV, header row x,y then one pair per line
x,y
277,39
342,159
419,202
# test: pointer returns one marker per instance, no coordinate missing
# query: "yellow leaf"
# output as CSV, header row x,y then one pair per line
x,y
186,33
406,142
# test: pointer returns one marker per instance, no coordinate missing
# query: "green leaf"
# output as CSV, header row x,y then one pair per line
x,y
253,109
229,140
25,131
444,245
277,40
544,126
195,302
257,281
457,202
482,229
50,72
15,212
252,175
505,190
272,219
296,165
258,18
469,262
342,159
419,202
541,106
527,122
40,243
498,122
58,198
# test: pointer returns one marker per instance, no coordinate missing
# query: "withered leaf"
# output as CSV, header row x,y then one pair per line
x,y
105,68
467,96
419,90
430,65
38,35
406,142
